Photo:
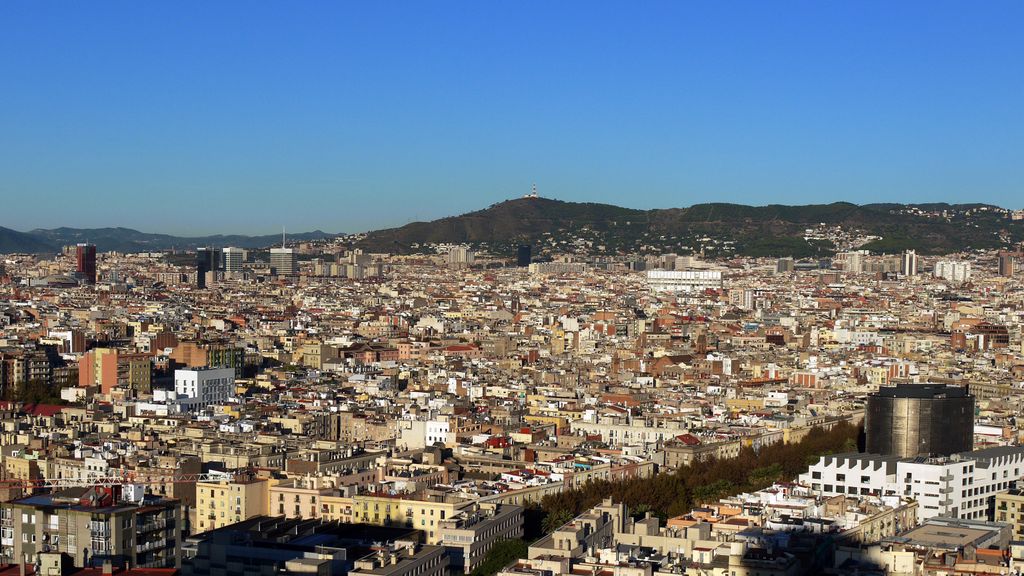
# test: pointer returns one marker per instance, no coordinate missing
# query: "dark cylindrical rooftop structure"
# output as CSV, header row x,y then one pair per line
x,y
909,420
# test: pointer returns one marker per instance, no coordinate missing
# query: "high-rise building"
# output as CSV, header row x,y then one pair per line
x,y
207,260
953,270
908,266
1007,264
784,265
282,262
855,262
523,255
234,258
908,420
461,256
85,256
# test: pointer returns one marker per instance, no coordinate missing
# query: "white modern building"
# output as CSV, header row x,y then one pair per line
x,y
908,266
963,485
684,280
198,388
952,270
234,258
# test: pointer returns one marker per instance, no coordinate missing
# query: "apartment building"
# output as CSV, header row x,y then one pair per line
x,y
221,503
92,525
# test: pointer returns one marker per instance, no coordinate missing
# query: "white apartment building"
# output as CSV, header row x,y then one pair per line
x,y
461,255
557,268
684,280
962,485
952,270
199,388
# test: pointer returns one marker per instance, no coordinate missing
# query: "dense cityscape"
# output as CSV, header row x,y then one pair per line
x,y
313,408
574,288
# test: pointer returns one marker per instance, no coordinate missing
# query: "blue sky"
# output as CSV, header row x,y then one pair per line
x,y
206,117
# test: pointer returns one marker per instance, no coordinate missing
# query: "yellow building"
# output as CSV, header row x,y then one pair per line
x,y
1010,509
295,499
385,510
220,504
339,508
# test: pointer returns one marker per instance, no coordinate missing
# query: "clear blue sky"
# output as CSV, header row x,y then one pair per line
x,y
217,116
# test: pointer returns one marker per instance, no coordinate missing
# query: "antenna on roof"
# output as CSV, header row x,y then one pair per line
x,y
283,245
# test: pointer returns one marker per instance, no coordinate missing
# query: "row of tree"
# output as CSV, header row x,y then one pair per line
x,y
677,492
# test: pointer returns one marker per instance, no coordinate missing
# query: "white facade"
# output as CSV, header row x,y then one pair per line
x,y
234,258
461,255
963,485
908,266
952,270
557,268
684,280
202,387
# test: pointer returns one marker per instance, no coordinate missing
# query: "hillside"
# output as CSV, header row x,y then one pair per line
x,y
14,241
129,240
553,226
773,230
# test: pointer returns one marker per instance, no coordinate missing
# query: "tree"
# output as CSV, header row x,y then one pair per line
x,y
500,555
554,520
674,493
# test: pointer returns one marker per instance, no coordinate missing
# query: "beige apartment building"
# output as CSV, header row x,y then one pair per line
x,y
221,503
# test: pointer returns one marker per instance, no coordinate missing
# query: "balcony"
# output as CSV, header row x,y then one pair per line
x,y
151,545
100,530
152,525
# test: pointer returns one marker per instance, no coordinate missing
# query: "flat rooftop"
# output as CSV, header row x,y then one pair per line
x,y
921,391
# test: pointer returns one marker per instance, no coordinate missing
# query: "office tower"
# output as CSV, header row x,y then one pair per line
x,y
207,260
784,265
282,262
1006,264
908,266
523,256
907,420
85,255
234,258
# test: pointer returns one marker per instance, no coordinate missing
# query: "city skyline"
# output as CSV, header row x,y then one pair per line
x,y
348,119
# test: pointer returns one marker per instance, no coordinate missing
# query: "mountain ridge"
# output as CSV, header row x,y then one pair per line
x,y
724,228
121,239
769,230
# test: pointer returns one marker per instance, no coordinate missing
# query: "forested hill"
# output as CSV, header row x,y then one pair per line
x,y
773,230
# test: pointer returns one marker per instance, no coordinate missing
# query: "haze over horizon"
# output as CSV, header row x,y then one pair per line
x,y
196,119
